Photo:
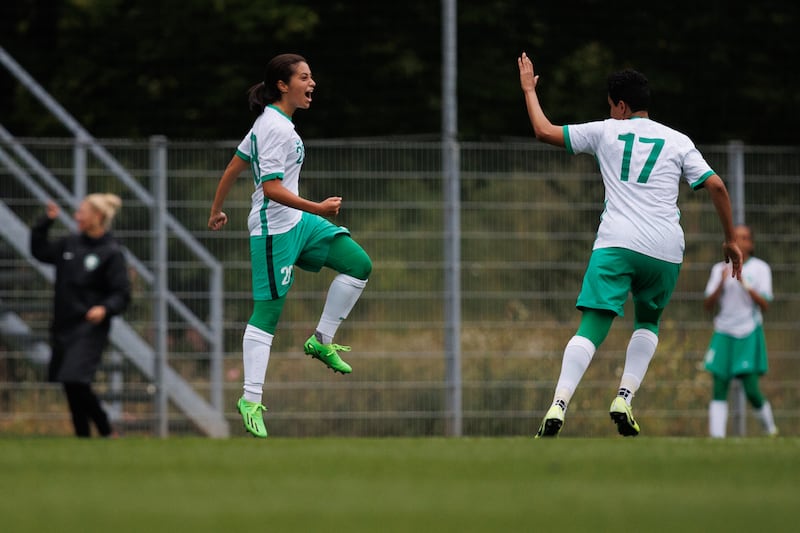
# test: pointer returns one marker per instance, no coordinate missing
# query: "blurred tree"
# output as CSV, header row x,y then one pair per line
x,y
377,66
140,67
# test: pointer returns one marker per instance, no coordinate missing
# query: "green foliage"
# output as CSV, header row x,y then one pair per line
x,y
149,64
133,69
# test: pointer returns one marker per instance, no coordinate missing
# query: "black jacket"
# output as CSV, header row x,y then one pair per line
x,y
89,272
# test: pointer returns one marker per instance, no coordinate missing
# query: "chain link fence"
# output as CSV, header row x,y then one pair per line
x,y
528,219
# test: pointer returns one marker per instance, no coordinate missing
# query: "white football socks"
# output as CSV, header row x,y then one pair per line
x,y
767,420
577,356
717,418
256,346
342,296
641,349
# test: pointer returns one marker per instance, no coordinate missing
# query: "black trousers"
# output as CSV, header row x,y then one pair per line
x,y
85,407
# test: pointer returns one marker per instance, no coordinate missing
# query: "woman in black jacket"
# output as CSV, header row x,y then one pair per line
x,y
91,287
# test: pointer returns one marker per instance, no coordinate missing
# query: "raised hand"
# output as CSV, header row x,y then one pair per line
x,y
52,210
527,77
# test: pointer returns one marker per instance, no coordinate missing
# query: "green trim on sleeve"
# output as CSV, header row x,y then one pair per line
x,y
567,142
242,155
699,183
273,176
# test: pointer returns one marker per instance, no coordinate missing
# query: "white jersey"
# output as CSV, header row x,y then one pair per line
x,y
641,162
275,151
738,314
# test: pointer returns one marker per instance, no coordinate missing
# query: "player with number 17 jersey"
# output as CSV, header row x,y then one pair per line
x,y
641,162
639,247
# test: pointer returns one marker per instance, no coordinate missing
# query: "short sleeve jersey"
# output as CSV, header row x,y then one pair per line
x,y
641,162
275,151
738,314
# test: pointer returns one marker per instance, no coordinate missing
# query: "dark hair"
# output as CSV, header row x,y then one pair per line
x,y
631,87
279,68
752,237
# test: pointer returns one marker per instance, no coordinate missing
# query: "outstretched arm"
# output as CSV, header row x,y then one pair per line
x,y
41,247
722,203
217,218
545,131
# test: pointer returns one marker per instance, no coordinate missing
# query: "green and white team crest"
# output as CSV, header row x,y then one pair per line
x,y
90,262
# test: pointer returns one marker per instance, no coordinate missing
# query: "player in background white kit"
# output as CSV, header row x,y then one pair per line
x,y
738,348
639,245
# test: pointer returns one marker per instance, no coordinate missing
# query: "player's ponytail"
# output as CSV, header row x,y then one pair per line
x,y
255,97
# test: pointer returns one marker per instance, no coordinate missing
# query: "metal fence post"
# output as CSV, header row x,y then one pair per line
x,y
452,223
158,169
79,173
216,324
736,178
115,386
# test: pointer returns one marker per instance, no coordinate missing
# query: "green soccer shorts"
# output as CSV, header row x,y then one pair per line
x,y
614,272
273,257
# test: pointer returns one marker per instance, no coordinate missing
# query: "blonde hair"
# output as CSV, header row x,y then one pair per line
x,y
107,204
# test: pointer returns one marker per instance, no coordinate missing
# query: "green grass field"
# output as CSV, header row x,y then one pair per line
x,y
383,485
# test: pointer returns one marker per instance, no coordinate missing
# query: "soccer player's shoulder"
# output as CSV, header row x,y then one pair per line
x,y
273,123
677,137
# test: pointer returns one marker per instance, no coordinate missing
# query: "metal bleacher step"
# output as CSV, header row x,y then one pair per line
x,y
18,277
148,427
138,396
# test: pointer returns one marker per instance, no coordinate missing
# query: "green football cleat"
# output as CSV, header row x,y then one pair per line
x,y
328,354
622,416
551,425
252,417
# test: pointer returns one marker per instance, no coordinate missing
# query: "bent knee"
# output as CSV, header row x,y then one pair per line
x,y
362,268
